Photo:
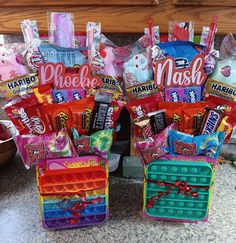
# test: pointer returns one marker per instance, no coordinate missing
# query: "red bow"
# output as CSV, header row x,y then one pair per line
x,y
183,188
76,208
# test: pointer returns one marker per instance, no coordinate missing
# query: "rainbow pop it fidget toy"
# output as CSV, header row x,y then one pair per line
x,y
69,213
178,190
70,181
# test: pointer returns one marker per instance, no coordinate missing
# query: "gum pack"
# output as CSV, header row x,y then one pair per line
x,y
70,181
178,206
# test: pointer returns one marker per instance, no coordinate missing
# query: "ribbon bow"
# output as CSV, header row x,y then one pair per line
x,y
77,208
183,188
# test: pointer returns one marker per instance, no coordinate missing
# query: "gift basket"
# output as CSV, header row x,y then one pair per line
x,y
65,97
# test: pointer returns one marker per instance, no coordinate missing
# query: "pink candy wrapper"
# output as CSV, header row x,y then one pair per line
x,y
61,29
156,146
52,145
12,66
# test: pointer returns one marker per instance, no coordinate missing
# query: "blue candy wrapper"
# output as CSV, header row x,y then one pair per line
x,y
185,144
60,96
182,51
69,56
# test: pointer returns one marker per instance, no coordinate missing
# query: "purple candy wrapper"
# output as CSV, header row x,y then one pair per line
x,y
174,95
192,94
61,96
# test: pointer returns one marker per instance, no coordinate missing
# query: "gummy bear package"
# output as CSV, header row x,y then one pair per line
x,y
52,145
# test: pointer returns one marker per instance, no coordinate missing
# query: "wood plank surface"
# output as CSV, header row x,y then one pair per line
x,y
121,19
223,3
29,3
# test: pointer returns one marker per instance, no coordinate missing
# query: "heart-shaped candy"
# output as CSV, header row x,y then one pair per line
x,y
226,71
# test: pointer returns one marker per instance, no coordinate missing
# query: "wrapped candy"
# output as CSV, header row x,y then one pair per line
x,y
52,145
98,143
61,29
154,147
185,144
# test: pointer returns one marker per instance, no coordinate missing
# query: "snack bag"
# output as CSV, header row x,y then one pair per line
x,y
44,93
98,143
15,110
181,31
222,82
33,149
141,107
154,147
19,86
12,66
185,144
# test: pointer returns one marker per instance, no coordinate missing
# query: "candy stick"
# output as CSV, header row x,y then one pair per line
x,y
90,46
211,35
151,31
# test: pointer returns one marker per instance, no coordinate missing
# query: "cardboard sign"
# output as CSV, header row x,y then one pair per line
x,y
56,74
166,74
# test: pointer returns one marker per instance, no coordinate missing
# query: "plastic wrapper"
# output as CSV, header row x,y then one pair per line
x,y
33,149
61,29
222,82
141,107
69,56
154,147
181,31
61,96
12,65
19,86
98,143
185,144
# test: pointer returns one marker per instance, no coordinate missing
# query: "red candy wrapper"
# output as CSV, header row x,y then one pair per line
x,y
156,146
17,114
141,107
44,93
37,148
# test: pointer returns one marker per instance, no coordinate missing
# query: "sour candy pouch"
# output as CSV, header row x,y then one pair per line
x,y
69,56
154,147
44,93
143,90
33,149
15,110
185,144
12,66
137,70
98,143
141,107
222,82
19,86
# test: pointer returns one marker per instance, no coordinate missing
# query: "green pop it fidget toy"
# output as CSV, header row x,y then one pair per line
x,y
174,205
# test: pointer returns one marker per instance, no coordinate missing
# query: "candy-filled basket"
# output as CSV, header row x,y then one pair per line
x,y
65,94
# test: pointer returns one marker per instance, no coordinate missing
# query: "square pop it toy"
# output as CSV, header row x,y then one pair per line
x,y
73,192
178,190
